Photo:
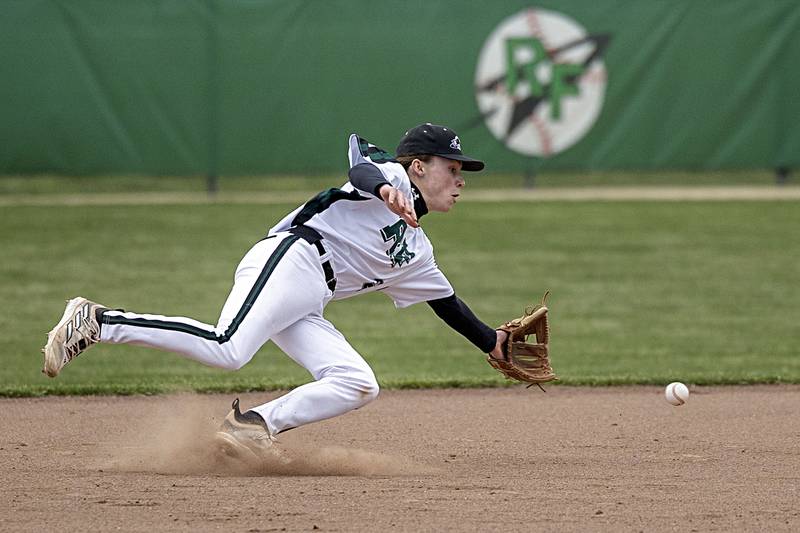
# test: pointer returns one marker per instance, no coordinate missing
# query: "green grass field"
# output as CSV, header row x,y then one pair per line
x,y
49,184
642,292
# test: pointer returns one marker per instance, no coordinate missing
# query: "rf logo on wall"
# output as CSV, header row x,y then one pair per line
x,y
540,82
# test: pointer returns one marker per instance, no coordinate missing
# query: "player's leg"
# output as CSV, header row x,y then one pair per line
x,y
344,381
277,282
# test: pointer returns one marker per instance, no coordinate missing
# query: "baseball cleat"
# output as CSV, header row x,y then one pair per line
x,y
245,436
77,330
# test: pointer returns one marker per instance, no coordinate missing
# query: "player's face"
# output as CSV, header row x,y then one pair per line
x,y
441,183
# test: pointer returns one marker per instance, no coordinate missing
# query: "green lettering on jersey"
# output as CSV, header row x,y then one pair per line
x,y
398,252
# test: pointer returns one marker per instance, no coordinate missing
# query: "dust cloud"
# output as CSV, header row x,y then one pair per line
x,y
177,437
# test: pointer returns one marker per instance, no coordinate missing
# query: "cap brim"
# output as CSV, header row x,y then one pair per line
x,y
467,163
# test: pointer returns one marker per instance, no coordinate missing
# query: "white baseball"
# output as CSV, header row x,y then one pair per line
x,y
677,393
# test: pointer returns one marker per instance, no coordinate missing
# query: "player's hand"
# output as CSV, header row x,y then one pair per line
x,y
398,204
497,353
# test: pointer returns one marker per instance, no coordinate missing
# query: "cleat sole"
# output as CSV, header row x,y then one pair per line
x,y
54,349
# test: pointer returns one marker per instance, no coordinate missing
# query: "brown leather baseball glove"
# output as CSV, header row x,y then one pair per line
x,y
525,361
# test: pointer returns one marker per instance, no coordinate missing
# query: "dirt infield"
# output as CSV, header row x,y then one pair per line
x,y
574,459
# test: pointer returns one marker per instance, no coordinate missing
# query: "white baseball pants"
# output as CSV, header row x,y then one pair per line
x,y
278,294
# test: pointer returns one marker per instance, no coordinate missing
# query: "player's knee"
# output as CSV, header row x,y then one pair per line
x,y
233,359
364,385
355,382
369,390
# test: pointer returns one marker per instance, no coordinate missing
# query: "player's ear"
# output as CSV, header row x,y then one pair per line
x,y
419,167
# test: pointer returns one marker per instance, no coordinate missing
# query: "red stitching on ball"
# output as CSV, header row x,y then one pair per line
x,y
536,30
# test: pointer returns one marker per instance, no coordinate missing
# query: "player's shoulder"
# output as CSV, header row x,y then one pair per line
x,y
361,150
364,152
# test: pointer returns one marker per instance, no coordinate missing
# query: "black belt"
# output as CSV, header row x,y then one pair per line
x,y
312,236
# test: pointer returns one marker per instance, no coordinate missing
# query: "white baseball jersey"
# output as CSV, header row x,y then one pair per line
x,y
372,248
281,288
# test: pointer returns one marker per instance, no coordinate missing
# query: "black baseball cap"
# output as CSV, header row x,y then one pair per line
x,y
430,139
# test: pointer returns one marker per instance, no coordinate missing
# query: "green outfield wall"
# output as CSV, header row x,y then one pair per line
x,y
235,87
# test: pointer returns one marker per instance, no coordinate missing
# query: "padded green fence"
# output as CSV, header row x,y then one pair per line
x,y
251,87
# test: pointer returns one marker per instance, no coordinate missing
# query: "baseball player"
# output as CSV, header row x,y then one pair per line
x,y
360,238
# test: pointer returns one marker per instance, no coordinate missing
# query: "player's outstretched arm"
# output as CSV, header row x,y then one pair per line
x,y
460,317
